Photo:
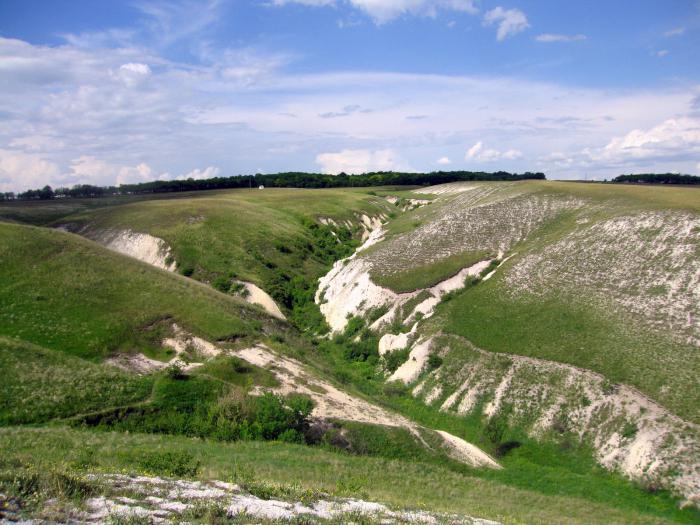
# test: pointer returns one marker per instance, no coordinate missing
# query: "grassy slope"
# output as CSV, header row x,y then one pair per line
x,y
249,232
66,293
39,384
396,482
451,490
575,330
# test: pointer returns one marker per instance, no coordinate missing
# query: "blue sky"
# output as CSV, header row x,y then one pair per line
x,y
112,92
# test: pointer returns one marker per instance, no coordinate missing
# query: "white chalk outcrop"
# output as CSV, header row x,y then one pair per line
x,y
628,431
332,403
196,349
347,290
161,500
256,295
141,246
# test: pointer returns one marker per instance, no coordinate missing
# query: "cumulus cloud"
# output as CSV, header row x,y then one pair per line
x,y
382,11
206,173
661,53
509,21
444,161
355,161
133,73
87,169
552,37
672,138
20,170
479,153
66,106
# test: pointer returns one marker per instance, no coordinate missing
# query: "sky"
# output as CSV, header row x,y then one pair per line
x,y
115,92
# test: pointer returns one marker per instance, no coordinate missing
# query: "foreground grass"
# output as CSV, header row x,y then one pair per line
x,y
396,482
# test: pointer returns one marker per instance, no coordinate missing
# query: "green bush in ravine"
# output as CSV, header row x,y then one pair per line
x,y
201,407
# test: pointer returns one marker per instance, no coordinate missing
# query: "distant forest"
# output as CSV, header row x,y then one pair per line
x,y
658,178
274,180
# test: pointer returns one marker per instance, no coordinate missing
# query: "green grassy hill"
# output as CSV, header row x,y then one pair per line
x,y
63,292
70,309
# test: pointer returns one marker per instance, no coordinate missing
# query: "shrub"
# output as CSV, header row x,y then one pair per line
x,y
174,463
221,283
393,360
174,372
629,430
395,389
434,361
45,483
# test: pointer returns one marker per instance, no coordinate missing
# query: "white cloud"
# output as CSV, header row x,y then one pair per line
x,y
206,173
383,11
87,169
357,161
510,22
37,143
677,31
672,138
697,168
134,67
20,170
552,37
65,103
479,153
662,53
133,73
444,161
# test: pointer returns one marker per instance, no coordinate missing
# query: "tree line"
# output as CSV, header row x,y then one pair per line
x,y
274,180
658,178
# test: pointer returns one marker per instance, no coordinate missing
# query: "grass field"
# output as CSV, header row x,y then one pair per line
x,y
401,483
246,232
589,283
39,385
66,303
66,293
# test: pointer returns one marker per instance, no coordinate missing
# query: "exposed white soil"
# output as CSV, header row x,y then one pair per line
x,y
408,204
137,363
487,219
391,342
447,188
190,352
628,431
141,246
414,365
347,290
257,295
162,500
332,403
467,450
647,264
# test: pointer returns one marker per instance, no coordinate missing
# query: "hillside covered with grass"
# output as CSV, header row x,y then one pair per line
x,y
475,316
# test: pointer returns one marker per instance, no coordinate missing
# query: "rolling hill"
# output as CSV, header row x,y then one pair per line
x,y
516,351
